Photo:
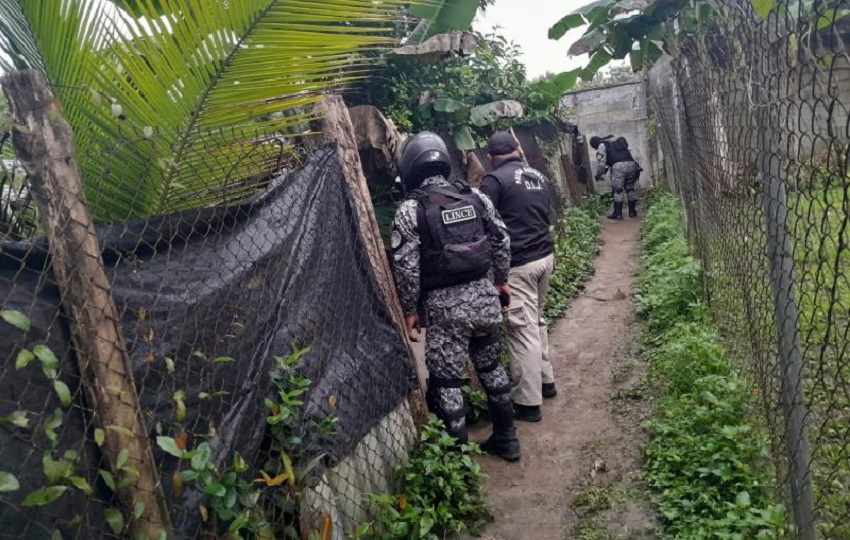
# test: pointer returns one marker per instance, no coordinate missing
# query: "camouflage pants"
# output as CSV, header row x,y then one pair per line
x,y
463,324
623,178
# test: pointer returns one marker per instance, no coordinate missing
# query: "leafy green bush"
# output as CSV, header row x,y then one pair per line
x,y
663,222
669,288
707,457
441,495
453,86
687,352
576,246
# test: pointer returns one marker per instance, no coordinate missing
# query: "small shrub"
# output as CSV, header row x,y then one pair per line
x,y
253,501
687,352
441,495
669,288
576,246
708,462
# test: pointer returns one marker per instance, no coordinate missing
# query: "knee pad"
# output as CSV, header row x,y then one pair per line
x,y
480,342
496,400
435,402
489,361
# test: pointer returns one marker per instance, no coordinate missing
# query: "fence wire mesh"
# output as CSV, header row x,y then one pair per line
x,y
754,124
270,378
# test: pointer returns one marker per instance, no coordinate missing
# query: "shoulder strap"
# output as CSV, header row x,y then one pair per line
x,y
417,195
447,192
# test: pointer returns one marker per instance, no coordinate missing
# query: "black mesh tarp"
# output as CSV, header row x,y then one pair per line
x,y
247,282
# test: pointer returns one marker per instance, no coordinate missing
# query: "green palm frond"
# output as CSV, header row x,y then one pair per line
x,y
178,104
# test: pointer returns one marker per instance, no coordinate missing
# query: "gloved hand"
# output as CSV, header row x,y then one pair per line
x,y
504,295
599,177
412,324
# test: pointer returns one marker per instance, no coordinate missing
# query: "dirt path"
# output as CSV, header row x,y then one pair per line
x,y
579,475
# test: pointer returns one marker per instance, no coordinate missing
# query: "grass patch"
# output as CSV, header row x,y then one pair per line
x,y
596,498
592,503
707,458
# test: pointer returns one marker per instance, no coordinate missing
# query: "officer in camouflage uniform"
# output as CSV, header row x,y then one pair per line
x,y
614,154
446,240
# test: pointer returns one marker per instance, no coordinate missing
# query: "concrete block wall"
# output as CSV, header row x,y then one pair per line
x,y
619,110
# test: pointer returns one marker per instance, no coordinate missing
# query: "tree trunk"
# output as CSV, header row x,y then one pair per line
x,y
44,144
337,128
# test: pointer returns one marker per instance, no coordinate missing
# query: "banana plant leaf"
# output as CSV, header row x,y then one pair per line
x,y
482,115
463,138
441,17
437,48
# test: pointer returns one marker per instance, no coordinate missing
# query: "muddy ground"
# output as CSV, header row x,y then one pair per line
x,y
579,476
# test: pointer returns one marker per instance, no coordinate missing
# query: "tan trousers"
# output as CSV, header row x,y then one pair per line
x,y
528,340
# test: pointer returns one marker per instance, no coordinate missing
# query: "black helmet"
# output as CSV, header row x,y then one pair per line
x,y
595,141
425,154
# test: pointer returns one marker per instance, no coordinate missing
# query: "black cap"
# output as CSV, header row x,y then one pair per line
x,y
501,143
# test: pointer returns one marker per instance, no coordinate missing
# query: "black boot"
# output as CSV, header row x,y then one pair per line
x,y
549,390
503,442
460,437
632,208
527,413
618,211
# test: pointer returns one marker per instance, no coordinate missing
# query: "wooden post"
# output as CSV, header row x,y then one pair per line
x,y
589,167
44,144
570,177
337,127
519,146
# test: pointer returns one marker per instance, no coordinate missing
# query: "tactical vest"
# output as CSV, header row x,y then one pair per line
x,y
616,151
524,199
454,245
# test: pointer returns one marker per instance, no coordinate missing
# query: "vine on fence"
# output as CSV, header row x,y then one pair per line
x,y
246,501
259,501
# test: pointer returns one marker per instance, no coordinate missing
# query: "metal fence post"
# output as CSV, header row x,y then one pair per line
x,y
780,254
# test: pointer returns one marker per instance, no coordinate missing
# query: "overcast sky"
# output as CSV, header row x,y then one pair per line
x,y
527,23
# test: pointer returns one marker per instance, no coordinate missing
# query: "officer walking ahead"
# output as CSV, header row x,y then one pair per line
x,y
445,241
614,154
523,197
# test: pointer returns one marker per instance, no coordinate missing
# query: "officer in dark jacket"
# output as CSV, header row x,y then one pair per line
x,y
613,153
446,240
523,197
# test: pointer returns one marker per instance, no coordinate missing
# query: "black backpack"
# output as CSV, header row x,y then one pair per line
x,y
454,247
617,151
619,144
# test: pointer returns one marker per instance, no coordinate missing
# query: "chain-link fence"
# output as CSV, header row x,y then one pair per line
x,y
753,115
236,368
